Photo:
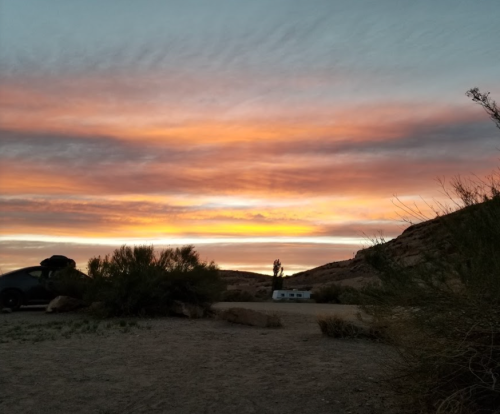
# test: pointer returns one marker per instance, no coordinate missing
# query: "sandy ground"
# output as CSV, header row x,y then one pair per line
x,y
173,365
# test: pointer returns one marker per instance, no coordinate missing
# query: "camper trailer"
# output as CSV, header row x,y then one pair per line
x,y
291,294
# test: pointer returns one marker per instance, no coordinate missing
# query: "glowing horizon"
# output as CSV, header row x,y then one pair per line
x,y
244,129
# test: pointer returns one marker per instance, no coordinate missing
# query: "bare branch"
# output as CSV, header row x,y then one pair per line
x,y
487,103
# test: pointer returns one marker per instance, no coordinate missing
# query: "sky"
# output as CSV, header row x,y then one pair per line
x,y
253,130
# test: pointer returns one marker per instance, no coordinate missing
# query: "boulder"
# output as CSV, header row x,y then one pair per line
x,y
64,304
6,310
250,317
187,309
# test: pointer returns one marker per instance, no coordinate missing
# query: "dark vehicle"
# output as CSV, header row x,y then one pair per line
x,y
32,285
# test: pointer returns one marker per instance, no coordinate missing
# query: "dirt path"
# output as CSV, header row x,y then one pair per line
x,y
174,365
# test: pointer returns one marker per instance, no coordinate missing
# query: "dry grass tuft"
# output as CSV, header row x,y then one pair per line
x,y
337,327
274,321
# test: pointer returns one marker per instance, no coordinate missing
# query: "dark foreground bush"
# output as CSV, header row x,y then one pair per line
x,y
444,316
137,281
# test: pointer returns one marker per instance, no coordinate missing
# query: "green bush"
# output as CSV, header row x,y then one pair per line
x,y
443,315
137,281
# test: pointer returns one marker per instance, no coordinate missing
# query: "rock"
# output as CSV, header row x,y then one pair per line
x,y
6,310
250,317
64,304
187,309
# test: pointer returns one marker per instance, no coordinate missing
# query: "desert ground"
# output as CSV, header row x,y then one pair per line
x,y
70,363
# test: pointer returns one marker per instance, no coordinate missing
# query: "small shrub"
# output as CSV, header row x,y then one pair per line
x,y
237,296
327,294
350,296
337,294
337,327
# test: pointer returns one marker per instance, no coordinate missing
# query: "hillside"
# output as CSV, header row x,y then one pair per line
x,y
409,247
412,246
415,244
254,283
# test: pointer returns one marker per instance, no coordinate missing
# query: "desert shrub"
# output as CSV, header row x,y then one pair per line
x,y
443,315
350,296
337,327
138,281
337,294
327,294
262,294
237,296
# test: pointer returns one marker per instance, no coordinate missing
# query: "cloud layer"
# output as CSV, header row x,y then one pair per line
x,y
265,129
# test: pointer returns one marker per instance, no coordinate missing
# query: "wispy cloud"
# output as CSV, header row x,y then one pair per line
x,y
242,121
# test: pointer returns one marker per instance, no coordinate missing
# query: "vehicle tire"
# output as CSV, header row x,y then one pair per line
x,y
12,299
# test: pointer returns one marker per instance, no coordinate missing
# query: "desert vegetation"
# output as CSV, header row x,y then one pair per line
x,y
237,295
34,332
337,327
444,316
138,281
443,313
337,294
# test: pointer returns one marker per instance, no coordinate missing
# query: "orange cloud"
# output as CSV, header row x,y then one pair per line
x,y
100,159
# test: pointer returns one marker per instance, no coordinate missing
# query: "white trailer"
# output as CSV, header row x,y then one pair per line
x,y
291,294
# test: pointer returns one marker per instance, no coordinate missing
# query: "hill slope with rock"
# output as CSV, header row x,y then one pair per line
x,y
414,245
411,247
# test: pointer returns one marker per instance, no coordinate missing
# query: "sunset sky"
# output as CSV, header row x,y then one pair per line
x,y
254,130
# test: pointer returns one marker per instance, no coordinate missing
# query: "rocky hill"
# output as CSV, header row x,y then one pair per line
x,y
415,244
409,248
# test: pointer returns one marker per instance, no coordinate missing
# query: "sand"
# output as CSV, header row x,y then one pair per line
x,y
173,365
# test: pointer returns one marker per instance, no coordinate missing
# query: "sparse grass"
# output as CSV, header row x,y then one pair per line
x,y
17,332
250,317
